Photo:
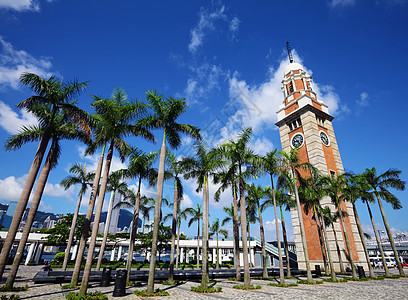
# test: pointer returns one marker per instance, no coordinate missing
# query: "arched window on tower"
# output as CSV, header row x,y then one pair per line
x,y
290,88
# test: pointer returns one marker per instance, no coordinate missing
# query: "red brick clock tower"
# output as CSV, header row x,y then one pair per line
x,y
304,121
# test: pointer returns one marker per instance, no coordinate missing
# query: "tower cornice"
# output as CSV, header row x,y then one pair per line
x,y
297,113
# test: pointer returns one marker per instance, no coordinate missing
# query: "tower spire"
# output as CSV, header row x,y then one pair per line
x,y
289,52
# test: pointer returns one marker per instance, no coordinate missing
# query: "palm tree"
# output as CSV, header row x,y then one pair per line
x,y
202,167
270,164
182,215
115,185
175,170
57,95
228,178
290,163
196,215
140,167
83,178
238,155
333,187
355,189
379,188
165,114
311,194
63,129
215,229
115,116
329,219
255,195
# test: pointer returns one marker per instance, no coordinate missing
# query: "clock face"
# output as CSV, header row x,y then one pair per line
x,y
297,140
324,138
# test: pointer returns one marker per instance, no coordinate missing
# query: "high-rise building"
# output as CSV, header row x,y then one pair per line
x,y
8,217
304,122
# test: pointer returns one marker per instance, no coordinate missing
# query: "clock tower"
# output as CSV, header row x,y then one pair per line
x,y
304,122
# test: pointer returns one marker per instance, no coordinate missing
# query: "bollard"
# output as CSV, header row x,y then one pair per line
x,y
106,276
120,283
318,271
361,273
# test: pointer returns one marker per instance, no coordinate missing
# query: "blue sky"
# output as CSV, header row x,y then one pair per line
x,y
227,60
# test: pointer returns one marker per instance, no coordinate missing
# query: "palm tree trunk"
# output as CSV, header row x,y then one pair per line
x,y
390,238
285,242
387,272
198,243
261,229
247,279
249,250
71,232
302,229
281,272
22,202
178,243
30,218
361,233
342,270
133,232
204,265
350,255
236,236
87,221
321,241
98,211
217,265
157,214
323,225
173,233
105,234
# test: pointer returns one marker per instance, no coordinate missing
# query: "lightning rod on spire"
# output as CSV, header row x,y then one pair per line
x,y
289,52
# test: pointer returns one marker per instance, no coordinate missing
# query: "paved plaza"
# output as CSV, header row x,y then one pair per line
x,y
373,289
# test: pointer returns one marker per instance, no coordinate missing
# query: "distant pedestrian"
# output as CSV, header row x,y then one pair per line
x,y
47,266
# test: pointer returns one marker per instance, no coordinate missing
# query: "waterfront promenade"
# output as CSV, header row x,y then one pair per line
x,y
372,289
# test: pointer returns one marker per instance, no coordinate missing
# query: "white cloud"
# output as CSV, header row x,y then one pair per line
x,y
11,121
341,3
261,146
15,62
205,24
116,163
20,5
11,188
186,202
363,101
234,26
56,190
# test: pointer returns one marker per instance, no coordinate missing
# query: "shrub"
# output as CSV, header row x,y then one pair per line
x,y
157,292
175,282
133,284
235,279
14,288
90,296
59,257
282,285
209,289
251,287
310,282
11,297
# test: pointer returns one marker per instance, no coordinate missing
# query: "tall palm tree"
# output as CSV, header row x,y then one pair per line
x,y
238,155
217,230
81,177
115,118
333,187
380,185
289,164
164,116
353,191
201,167
182,215
195,216
255,196
63,129
227,178
58,95
175,170
115,185
329,220
140,168
270,165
